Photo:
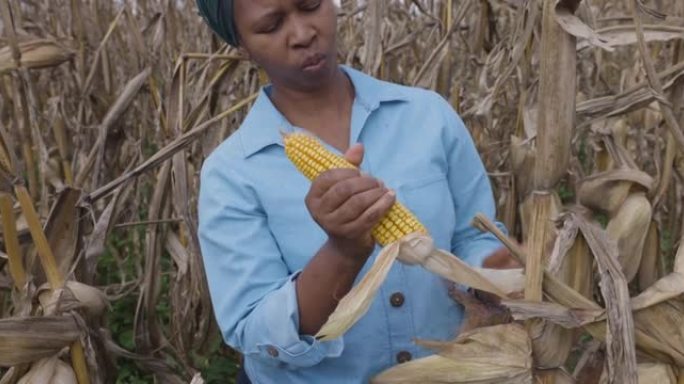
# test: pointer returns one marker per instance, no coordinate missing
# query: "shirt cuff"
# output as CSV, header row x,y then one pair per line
x,y
276,332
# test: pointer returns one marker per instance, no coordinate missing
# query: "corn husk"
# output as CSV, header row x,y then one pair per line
x,y
414,249
418,249
75,295
651,373
357,301
497,354
629,228
679,258
551,343
665,288
607,191
577,269
648,272
571,260
37,53
663,322
616,332
49,371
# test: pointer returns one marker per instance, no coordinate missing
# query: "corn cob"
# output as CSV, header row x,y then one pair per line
x,y
312,159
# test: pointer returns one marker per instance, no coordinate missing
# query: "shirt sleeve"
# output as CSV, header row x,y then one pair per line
x,y
471,191
252,291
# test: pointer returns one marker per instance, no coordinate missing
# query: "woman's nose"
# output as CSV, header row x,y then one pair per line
x,y
302,33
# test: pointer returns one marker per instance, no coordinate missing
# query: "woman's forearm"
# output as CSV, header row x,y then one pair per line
x,y
324,281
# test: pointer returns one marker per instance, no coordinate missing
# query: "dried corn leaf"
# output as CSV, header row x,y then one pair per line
x,y
162,369
169,150
620,338
636,97
568,297
620,35
24,340
37,53
651,373
557,94
96,242
146,322
553,287
556,313
551,344
11,241
117,109
496,354
576,27
47,258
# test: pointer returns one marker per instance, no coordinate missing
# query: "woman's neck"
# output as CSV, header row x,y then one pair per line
x,y
325,111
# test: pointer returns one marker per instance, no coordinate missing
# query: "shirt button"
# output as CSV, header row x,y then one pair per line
x,y
397,299
272,351
403,357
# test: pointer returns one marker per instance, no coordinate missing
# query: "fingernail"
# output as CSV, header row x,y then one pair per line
x,y
391,193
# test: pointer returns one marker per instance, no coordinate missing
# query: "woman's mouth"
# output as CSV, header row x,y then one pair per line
x,y
314,63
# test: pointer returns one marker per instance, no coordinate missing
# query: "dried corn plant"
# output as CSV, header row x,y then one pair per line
x,y
107,110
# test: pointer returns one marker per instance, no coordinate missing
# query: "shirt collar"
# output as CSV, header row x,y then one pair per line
x,y
264,123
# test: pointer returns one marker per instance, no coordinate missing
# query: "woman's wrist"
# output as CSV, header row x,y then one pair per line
x,y
350,254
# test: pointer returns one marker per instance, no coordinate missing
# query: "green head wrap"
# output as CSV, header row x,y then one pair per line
x,y
219,15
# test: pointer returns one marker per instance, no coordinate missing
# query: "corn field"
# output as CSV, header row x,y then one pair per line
x,y
108,108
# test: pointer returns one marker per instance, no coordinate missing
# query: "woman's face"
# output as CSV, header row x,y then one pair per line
x,y
293,40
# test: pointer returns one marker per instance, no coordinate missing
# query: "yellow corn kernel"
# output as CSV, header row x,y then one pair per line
x,y
312,159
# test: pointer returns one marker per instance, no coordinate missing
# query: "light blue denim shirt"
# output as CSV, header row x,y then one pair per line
x,y
256,234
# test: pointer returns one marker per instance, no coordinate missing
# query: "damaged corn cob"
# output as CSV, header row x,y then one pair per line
x,y
312,159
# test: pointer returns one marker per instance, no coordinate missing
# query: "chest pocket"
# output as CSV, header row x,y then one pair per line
x,y
430,199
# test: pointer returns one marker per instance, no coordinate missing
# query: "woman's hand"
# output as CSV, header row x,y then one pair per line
x,y
501,259
347,204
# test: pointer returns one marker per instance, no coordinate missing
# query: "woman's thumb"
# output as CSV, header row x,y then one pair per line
x,y
354,154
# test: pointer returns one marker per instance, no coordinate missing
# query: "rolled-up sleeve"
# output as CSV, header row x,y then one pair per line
x,y
252,291
471,191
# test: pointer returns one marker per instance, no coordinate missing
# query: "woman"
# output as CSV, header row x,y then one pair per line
x,y
280,252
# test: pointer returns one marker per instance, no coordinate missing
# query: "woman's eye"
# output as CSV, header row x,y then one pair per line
x,y
311,5
271,27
